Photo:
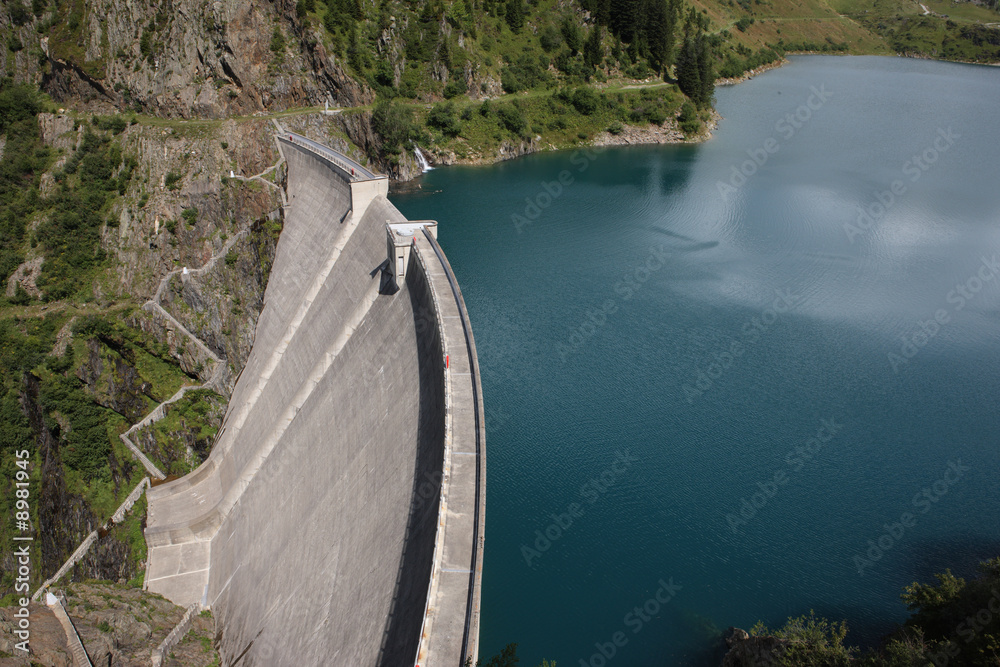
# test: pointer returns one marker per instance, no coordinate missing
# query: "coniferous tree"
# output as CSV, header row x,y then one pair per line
x,y
602,11
515,15
573,35
688,77
660,21
623,19
695,73
706,72
593,53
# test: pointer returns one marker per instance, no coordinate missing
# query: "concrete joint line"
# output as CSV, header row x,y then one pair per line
x,y
179,574
293,325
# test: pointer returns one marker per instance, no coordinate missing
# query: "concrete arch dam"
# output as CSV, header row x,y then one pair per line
x,y
339,517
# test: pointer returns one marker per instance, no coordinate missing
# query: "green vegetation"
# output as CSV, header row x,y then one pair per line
x,y
563,117
70,236
70,219
506,658
278,45
695,62
811,641
190,216
952,622
25,158
190,422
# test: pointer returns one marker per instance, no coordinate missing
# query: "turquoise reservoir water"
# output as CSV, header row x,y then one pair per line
x,y
688,374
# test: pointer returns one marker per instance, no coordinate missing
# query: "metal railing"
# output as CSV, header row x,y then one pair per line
x,y
355,170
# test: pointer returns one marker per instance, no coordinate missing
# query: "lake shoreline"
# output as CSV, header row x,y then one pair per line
x,y
630,135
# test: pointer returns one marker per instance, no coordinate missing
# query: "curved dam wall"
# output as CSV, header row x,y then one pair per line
x,y
338,519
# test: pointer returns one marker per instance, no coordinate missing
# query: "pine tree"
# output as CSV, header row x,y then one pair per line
x,y
688,76
660,21
515,15
602,11
593,53
695,72
624,19
573,35
706,73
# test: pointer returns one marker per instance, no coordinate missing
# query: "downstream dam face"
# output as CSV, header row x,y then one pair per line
x,y
339,517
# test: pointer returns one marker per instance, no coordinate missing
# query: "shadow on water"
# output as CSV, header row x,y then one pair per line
x,y
402,630
961,556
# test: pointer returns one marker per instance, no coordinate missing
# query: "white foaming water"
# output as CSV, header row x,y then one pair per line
x,y
425,166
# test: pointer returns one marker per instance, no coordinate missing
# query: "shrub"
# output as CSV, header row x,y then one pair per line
x,y
19,14
190,216
640,70
393,122
172,179
585,100
813,641
278,44
442,116
455,87
688,119
512,119
524,74
551,39
116,124
656,115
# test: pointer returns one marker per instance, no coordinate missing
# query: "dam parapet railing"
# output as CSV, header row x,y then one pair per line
x,y
351,167
458,551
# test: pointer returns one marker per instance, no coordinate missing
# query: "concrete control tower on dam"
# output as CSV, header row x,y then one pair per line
x,y
339,517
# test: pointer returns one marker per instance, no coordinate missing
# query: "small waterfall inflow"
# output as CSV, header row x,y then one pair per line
x,y
425,166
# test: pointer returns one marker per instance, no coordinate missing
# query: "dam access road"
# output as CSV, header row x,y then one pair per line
x,y
339,517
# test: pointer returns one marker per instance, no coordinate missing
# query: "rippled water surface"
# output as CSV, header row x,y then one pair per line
x,y
657,348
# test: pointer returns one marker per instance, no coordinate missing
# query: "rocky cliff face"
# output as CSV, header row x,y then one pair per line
x,y
118,627
196,231
186,58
